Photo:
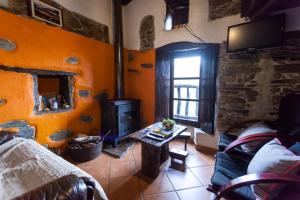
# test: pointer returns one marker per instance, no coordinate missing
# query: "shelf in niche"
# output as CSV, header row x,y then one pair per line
x,y
52,111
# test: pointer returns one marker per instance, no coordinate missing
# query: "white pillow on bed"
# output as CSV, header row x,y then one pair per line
x,y
259,127
272,158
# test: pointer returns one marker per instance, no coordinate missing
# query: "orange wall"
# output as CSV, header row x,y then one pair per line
x,y
141,85
46,47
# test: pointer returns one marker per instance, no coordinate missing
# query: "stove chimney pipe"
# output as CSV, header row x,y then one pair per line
x,y
118,49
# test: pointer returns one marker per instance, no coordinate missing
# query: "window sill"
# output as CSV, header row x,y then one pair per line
x,y
52,111
195,124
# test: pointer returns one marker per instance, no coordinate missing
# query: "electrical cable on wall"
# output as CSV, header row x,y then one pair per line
x,y
189,29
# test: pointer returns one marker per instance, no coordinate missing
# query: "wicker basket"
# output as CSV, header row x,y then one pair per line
x,y
88,151
83,154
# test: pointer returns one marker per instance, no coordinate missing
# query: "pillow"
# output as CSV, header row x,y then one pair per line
x,y
259,127
6,136
295,148
272,158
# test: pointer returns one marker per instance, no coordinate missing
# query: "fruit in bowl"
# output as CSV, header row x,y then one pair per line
x,y
157,130
168,124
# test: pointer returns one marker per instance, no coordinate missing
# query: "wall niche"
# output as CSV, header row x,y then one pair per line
x,y
53,93
53,90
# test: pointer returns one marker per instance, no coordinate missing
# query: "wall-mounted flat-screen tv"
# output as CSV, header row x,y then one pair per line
x,y
264,33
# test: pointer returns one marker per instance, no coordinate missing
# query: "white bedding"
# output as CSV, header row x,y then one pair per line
x,y
26,165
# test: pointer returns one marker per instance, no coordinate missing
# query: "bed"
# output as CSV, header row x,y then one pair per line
x,y
28,168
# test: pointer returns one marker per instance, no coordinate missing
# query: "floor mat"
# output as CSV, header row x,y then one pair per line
x,y
121,149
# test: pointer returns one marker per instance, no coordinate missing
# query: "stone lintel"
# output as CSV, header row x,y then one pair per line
x,y
36,71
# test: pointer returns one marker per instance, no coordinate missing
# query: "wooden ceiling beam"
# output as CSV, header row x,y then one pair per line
x,y
125,2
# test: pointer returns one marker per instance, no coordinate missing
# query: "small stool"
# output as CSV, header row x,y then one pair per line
x,y
178,155
186,136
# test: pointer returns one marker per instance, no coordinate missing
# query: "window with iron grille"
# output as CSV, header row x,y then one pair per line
x,y
185,87
185,83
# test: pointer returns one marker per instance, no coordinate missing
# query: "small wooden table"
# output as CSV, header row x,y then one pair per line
x,y
154,152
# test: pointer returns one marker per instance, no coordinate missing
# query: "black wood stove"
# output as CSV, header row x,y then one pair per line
x,y
120,115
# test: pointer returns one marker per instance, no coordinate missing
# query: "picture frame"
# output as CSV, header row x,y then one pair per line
x,y
45,12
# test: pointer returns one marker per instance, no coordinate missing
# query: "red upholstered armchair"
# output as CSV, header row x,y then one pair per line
x,y
289,193
231,180
288,123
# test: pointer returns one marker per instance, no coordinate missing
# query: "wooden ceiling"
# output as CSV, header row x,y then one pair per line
x,y
255,9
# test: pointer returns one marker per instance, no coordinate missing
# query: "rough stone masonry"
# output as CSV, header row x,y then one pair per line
x,y
250,86
147,33
72,21
223,8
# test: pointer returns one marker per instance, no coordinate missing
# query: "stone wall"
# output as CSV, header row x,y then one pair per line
x,y
223,8
72,21
250,86
147,33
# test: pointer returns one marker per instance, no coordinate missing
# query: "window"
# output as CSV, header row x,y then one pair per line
x,y
53,93
185,88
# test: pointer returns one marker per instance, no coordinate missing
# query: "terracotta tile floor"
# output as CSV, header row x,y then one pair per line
x,y
121,180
